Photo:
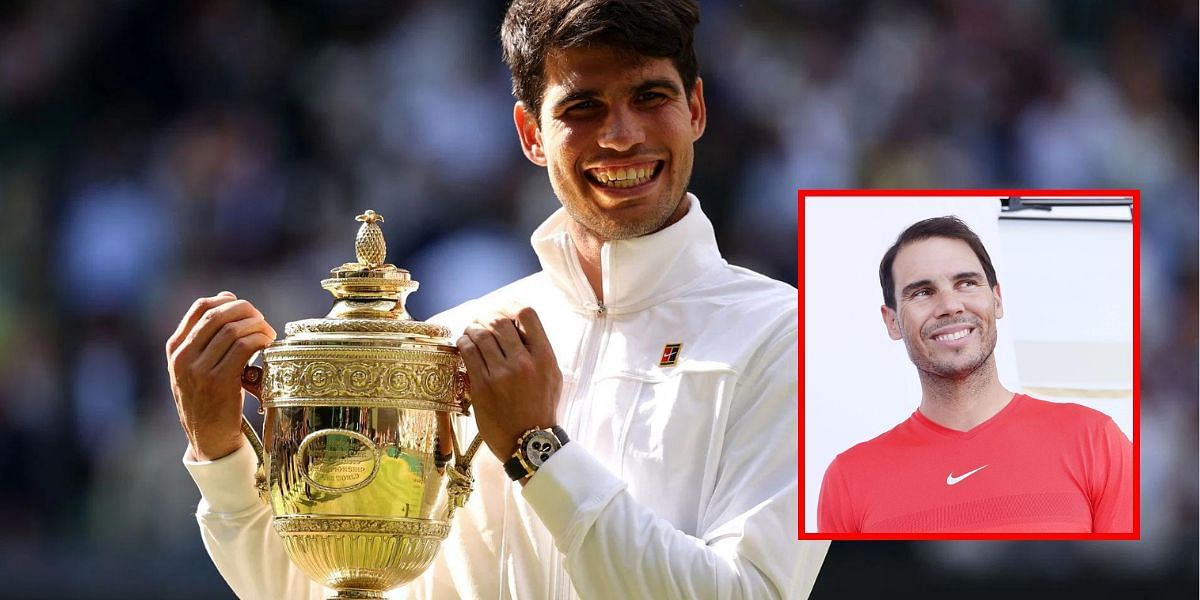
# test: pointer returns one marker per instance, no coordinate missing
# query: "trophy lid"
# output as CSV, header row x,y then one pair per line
x,y
368,294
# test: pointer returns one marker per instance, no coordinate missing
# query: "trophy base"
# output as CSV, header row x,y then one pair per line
x,y
360,557
356,595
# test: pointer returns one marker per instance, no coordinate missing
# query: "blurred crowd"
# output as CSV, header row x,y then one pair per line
x,y
154,152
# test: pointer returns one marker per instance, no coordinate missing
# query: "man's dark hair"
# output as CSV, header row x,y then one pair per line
x,y
943,227
533,29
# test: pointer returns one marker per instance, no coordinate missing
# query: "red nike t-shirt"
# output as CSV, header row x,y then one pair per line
x,y
1035,466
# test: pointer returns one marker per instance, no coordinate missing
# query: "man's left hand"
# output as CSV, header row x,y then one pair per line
x,y
515,381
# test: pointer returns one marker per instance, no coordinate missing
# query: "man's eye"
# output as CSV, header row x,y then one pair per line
x,y
650,97
920,293
582,106
969,282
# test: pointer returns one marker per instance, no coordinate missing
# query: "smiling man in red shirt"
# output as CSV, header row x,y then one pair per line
x,y
974,456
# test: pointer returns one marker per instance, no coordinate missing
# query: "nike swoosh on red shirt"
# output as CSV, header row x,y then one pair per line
x,y
951,479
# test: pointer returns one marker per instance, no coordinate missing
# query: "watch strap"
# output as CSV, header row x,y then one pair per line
x,y
516,471
561,434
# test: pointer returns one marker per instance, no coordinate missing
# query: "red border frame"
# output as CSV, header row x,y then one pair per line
x,y
1137,360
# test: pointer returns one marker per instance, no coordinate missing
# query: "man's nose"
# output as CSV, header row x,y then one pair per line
x,y
949,304
622,129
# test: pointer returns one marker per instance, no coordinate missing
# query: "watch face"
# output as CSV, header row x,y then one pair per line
x,y
539,446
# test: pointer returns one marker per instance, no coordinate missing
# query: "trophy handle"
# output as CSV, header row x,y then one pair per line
x,y
252,378
461,480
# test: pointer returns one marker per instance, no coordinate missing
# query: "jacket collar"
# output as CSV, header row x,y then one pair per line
x,y
638,272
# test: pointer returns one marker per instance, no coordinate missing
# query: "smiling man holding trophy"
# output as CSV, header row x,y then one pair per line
x,y
637,396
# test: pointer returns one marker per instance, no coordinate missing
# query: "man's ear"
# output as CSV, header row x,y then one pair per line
x,y
530,134
890,320
999,301
697,108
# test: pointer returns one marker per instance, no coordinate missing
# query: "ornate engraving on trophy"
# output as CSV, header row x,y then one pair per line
x,y
387,378
338,460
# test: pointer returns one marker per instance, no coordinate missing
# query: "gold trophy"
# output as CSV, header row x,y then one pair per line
x,y
359,458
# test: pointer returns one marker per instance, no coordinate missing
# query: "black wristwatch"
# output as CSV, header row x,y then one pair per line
x,y
534,448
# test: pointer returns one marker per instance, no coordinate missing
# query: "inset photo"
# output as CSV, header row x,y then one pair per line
x,y
969,364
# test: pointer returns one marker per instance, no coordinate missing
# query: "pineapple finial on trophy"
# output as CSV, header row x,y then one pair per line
x,y
369,246
369,288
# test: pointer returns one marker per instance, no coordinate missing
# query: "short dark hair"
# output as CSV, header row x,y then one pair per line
x,y
944,227
533,29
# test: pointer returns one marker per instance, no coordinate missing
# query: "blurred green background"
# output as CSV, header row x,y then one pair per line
x,y
153,152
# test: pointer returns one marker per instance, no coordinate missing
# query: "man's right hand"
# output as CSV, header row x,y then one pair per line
x,y
205,357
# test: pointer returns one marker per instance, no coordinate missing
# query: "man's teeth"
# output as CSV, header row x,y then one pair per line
x,y
624,177
950,337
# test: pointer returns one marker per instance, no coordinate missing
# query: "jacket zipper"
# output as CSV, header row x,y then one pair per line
x,y
591,350
591,353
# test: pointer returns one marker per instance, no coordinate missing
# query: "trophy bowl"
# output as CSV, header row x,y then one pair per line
x,y
359,458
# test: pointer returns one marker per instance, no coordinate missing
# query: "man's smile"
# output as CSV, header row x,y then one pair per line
x,y
952,335
624,176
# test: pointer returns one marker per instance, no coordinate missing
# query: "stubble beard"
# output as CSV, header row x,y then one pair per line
x,y
953,369
612,229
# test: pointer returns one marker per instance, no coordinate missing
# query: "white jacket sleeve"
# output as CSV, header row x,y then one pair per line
x,y
236,528
746,546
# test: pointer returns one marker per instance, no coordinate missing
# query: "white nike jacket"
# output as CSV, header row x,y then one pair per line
x,y
678,482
